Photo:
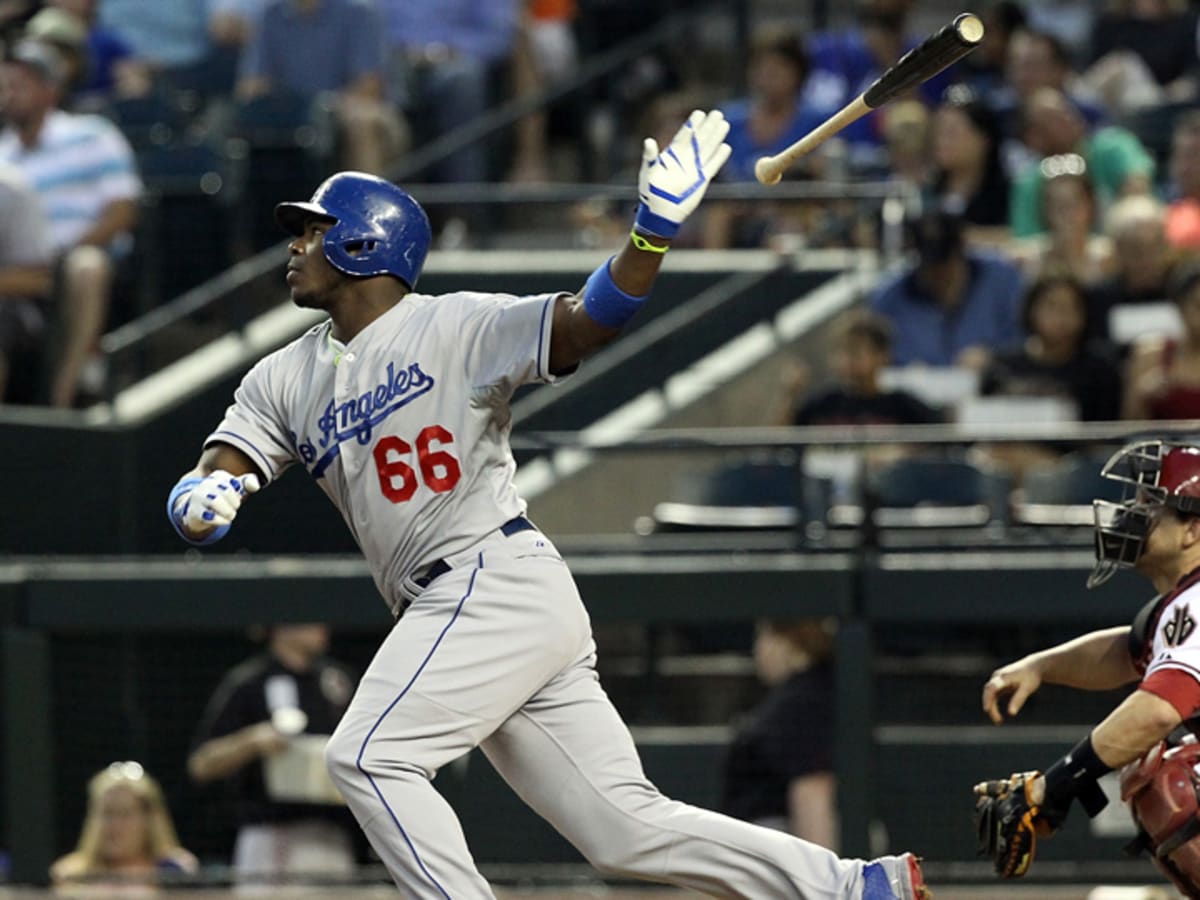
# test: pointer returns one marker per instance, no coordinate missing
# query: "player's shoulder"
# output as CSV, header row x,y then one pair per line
x,y
298,351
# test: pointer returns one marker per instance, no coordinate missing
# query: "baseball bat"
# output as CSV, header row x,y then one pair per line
x,y
942,48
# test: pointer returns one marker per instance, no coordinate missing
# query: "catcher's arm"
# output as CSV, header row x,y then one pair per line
x,y
1141,721
1096,662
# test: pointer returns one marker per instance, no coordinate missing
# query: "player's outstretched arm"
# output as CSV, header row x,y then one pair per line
x,y
204,502
1097,661
670,187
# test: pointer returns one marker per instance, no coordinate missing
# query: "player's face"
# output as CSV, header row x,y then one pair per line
x,y
310,277
123,826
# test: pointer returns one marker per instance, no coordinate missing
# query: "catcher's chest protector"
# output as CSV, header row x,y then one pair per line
x,y
1163,793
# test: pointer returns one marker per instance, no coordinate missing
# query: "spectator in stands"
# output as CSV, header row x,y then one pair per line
x,y
778,770
25,280
444,56
100,64
1069,245
1163,378
545,53
983,68
164,36
1068,22
969,178
844,63
953,307
906,131
1183,215
262,710
1056,359
329,49
1118,163
1156,36
128,838
1143,260
1036,61
861,351
772,117
83,171
231,23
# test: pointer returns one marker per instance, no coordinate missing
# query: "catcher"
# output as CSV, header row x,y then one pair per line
x,y
1156,531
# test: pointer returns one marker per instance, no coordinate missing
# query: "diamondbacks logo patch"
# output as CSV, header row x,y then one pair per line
x,y
1179,627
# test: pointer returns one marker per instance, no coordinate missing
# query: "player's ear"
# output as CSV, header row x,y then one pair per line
x,y
1191,532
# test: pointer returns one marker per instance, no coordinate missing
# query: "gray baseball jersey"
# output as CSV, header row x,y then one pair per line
x,y
406,427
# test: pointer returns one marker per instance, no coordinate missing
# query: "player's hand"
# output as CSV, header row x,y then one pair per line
x,y
215,501
1009,687
266,740
672,183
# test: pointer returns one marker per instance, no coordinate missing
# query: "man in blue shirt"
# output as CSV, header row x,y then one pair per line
x,y
443,54
954,307
331,47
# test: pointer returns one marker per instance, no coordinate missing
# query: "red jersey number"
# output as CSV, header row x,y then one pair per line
x,y
439,469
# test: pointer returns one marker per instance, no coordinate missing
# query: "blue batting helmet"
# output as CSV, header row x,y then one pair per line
x,y
378,228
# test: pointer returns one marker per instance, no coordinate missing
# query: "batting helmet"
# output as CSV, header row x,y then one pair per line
x,y
379,229
1157,475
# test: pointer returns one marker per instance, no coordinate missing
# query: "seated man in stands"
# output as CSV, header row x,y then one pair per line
x,y
954,307
332,48
1051,125
444,54
1143,259
862,350
82,169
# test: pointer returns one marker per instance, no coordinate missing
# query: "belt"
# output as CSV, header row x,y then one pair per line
x,y
441,567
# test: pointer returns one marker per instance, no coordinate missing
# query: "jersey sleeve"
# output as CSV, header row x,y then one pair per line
x,y
255,425
1180,689
505,339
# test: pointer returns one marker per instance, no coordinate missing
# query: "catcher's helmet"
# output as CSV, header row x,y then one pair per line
x,y
379,229
1156,475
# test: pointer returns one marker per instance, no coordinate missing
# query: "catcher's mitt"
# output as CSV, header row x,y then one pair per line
x,y
1008,823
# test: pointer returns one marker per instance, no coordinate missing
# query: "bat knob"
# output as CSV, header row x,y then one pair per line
x,y
767,172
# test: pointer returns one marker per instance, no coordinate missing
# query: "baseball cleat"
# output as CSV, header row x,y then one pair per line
x,y
895,878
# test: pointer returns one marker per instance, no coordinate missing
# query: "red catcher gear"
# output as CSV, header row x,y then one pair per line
x,y
1156,474
1163,793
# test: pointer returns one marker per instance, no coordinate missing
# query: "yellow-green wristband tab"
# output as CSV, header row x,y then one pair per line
x,y
642,244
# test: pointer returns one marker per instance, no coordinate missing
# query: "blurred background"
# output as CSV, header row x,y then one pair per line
x,y
839,469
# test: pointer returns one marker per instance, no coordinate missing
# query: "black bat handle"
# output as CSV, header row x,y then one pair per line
x,y
942,48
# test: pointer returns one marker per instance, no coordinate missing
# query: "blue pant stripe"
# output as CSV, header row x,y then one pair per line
x,y
391,706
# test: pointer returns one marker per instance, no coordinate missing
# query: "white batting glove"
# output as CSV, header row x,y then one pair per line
x,y
672,183
214,502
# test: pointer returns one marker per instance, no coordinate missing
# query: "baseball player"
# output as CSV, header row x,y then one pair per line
x,y
398,406
1155,530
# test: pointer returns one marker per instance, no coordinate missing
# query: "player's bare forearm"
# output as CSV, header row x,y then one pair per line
x,y
221,757
575,335
1140,722
26,281
1098,661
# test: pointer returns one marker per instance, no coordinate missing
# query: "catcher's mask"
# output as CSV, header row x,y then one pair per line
x,y
1157,475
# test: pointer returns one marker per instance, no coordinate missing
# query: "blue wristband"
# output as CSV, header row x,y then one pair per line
x,y
606,303
185,485
653,224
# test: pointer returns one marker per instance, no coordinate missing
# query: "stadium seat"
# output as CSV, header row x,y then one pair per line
x,y
936,492
745,494
1063,493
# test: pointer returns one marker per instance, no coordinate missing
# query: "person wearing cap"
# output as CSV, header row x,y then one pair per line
x,y
264,721
83,170
954,307
99,63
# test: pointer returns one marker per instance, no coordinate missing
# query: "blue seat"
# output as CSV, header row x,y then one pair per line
x,y
759,493
937,491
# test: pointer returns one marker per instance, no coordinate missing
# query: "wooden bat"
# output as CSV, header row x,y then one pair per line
x,y
941,49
